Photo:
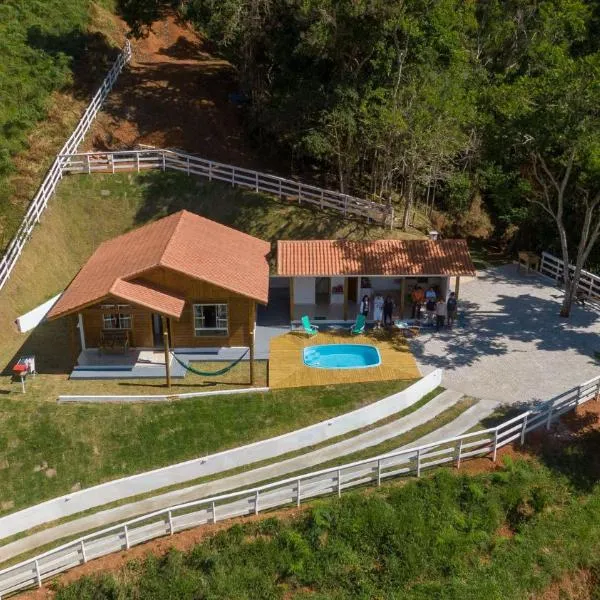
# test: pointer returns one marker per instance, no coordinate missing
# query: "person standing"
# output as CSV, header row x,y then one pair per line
x,y
388,311
417,297
430,294
365,306
451,308
440,314
378,305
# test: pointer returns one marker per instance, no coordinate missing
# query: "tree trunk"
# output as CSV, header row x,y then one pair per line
x,y
408,204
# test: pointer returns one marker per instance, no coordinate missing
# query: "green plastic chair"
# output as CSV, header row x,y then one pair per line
x,y
359,326
308,327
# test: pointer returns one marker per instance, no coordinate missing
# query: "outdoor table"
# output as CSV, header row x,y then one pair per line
x,y
25,365
408,328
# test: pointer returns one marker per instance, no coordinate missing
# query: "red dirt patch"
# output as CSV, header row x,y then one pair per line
x,y
174,94
573,586
183,541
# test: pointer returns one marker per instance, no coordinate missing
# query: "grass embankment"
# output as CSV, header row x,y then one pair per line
x,y
46,449
54,54
504,535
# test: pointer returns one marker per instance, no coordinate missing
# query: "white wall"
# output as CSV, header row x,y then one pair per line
x,y
34,317
223,461
304,290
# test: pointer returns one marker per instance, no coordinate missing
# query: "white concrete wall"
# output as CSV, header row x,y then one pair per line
x,y
230,459
34,317
304,290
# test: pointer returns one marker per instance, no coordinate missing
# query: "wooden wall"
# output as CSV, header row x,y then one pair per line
x,y
241,313
140,334
240,309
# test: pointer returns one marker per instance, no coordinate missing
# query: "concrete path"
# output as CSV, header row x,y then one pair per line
x,y
514,347
280,469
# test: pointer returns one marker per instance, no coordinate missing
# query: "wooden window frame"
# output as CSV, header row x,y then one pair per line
x,y
218,332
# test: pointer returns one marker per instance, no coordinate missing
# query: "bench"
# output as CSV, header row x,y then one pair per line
x,y
117,340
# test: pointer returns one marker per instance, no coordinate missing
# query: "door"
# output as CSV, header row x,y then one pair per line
x,y
157,331
323,290
352,290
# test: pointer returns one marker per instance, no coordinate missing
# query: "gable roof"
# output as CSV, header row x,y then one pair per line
x,y
323,258
182,242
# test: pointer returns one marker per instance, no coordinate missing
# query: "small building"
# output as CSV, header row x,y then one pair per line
x,y
197,280
328,278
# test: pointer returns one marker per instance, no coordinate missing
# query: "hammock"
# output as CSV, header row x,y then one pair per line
x,y
209,373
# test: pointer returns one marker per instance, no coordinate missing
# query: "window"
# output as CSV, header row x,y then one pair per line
x,y
116,321
210,319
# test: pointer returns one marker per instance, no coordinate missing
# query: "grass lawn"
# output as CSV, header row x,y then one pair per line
x,y
501,536
87,444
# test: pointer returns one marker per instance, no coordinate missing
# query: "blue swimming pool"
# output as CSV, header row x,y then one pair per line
x,y
342,356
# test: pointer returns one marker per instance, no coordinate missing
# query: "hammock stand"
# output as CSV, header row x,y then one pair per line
x,y
210,373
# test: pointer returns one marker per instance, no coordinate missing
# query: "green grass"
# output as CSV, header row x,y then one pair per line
x,y
505,535
46,46
88,444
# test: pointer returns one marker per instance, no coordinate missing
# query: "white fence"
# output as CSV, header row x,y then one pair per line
x,y
54,175
553,267
291,491
143,160
142,483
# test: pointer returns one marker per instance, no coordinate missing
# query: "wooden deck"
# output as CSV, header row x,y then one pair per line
x,y
287,369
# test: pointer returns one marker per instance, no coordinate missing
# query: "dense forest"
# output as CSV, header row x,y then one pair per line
x,y
488,111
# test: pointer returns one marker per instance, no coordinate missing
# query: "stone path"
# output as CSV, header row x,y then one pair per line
x,y
276,470
514,347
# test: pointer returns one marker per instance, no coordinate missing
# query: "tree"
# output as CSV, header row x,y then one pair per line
x,y
550,112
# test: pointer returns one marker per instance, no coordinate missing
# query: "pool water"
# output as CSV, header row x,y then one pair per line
x,y
341,356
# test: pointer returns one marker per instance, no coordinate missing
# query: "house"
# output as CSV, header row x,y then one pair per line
x,y
182,279
328,278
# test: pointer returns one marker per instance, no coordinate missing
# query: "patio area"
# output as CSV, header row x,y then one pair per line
x,y
287,369
514,348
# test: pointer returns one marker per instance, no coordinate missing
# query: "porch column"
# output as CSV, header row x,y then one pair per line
x,y
251,330
167,353
291,299
81,331
346,284
457,286
402,296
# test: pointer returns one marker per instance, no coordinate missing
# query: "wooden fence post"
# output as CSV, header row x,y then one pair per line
x,y
339,482
83,554
126,531
210,171
256,181
379,473
459,454
524,429
171,531
495,453
214,513
188,165
37,573
298,492
549,420
419,462
137,161
164,162
256,503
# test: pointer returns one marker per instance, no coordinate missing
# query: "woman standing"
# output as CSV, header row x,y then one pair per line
x,y
365,306
388,310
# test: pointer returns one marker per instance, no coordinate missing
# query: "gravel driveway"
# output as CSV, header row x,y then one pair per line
x,y
513,347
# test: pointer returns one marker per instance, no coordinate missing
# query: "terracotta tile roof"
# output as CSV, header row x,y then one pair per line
x,y
183,242
322,258
142,294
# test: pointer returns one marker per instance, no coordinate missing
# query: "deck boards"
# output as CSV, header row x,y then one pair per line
x,y
286,367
